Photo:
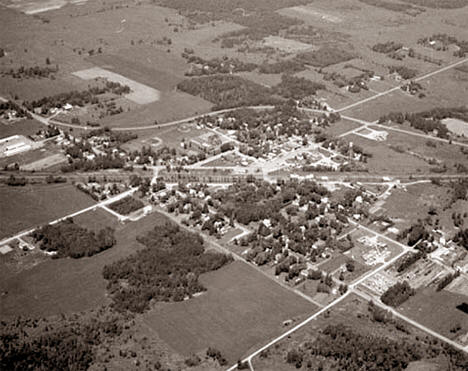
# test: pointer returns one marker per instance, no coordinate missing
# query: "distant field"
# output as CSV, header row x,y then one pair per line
x,y
158,70
240,310
386,160
311,12
173,106
38,6
33,205
24,127
70,285
286,45
456,126
140,94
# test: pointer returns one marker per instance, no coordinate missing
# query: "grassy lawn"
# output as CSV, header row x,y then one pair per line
x,y
33,205
241,310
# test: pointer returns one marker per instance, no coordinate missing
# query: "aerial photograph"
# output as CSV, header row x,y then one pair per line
x,y
268,185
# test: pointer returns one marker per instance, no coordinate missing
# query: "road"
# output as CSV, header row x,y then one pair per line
x,y
241,258
71,215
386,92
353,288
410,321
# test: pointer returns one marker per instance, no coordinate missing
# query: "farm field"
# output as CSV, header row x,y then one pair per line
x,y
24,127
428,149
437,310
140,94
410,205
173,106
70,285
387,160
231,316
33,205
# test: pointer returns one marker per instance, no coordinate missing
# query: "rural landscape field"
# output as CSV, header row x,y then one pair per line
x,y
234,185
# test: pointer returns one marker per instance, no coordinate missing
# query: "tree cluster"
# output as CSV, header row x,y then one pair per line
x,y
68,239
167,269
397,294
126,205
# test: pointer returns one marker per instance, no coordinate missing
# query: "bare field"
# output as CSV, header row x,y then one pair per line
x,y
140,94
242,309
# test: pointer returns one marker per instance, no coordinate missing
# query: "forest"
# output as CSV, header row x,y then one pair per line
x,y
397,294
126,205
68,239
66,343
339,347
167,269
227,91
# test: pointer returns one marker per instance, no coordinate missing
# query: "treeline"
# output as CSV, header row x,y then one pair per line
x,y
292,87
217,65
387,47
406,73
100,162
408,260
167,269
289,66
428,121
448,40
228,91
461,238
338,347
397,294
10,105
77,98
447,280
116,137
31,72
68,239
325,56
14,181
126,205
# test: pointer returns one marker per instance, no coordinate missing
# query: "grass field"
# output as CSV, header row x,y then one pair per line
x,y
437,310
240,310
33,205
385,159
24,127
70,285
